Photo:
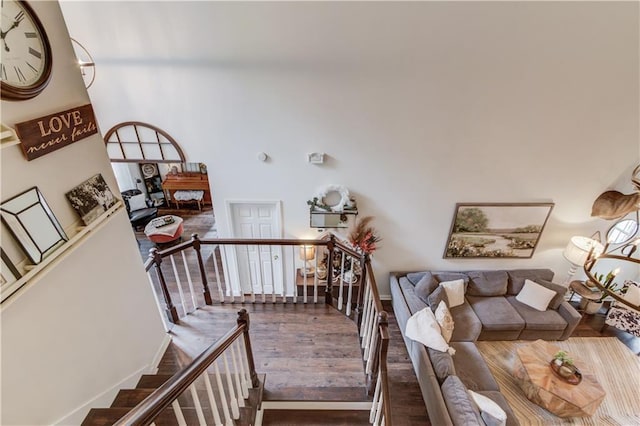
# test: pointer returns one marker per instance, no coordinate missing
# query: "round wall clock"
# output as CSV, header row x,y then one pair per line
x,y
26,52
149,170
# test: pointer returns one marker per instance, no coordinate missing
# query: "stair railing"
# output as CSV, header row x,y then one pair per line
x,y
201,272
223,402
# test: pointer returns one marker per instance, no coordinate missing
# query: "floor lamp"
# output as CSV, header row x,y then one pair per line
x,y
578,251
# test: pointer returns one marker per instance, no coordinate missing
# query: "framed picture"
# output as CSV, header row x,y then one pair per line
x,y
33,224
510,230
91,198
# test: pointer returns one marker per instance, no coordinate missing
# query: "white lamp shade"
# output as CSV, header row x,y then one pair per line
x,y
578,249
307,252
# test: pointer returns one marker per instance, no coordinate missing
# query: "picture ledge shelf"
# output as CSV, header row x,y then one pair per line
x,y
34,272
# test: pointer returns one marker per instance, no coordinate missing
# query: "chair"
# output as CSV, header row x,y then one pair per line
x,y
624,317
140,213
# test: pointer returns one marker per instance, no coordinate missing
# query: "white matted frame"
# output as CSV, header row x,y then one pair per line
x,y
33,224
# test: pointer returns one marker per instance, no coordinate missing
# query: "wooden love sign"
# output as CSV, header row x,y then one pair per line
x,y
46,134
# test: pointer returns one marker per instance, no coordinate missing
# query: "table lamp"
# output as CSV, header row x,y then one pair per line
x,y
307,253
579,250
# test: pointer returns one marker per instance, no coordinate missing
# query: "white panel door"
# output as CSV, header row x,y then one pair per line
x,y
259,266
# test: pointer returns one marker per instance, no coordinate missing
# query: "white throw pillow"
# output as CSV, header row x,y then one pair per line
x,y
445,321
137,202
490,411
455,292
423,327
535,295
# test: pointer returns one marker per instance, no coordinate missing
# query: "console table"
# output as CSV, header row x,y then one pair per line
x,y
187,182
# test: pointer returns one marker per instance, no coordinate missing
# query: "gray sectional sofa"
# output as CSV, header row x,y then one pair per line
x,y
490,312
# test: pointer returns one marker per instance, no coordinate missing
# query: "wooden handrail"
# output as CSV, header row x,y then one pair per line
x,y
145,412
383,327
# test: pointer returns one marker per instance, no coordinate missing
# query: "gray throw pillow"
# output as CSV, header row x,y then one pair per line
x,y
414,277
442,363
425,287
436,296
462,410
488,283
559,289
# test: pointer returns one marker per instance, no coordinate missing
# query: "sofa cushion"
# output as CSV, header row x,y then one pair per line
x,y
495,313
490,411
467,325
462,409
450,276
488,283
455,292
499,399
425,286
442,363
422,327
535,295
471,367
438,295
413,302
445,320
517,277
538,320
559,289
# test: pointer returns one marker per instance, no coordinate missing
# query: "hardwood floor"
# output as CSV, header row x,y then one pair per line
x,y
310,350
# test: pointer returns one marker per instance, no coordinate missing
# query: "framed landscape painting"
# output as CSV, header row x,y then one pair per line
x,y
510,230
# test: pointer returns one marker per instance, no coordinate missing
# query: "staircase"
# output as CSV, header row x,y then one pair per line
x,y
126,399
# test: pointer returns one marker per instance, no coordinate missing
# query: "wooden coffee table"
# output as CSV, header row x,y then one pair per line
x,y
533,373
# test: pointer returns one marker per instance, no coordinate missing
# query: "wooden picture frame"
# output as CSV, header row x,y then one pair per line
x,y
91,198
496,230
33,224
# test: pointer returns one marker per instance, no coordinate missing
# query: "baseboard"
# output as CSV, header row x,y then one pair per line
x,y
153,367
385,297
102,400
105,398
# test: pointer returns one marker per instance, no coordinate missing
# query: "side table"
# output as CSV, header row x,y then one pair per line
x,y
587,294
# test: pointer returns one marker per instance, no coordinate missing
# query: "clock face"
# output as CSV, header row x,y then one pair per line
x,y
25,54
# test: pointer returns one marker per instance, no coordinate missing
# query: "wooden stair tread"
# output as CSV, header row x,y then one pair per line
x,y
334,394
315,417
130,397
152,381
108,416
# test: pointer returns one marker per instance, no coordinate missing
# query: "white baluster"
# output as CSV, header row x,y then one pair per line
x,y
315,277
193,292
365,313
273,279
350,294
165,322
367,326
178,413
178,284
212,400
341,281
372,351
260,275
295,276
223,397
227,278
236,373
253,295
196,403
244,367
215,267
374,404
232,393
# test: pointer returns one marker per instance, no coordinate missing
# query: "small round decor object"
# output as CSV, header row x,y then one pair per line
x,y
568,373
26,52
149,170
334,191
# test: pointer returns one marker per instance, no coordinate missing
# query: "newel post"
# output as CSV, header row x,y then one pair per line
x,y
243,319
328,296
170,309
203,275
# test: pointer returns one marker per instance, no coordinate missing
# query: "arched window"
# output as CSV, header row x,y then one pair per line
x,y
136,142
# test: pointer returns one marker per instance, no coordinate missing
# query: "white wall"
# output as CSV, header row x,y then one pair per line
x,y
90,321
418,105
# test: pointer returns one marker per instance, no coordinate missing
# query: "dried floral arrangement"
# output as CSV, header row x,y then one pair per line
x,y
364,236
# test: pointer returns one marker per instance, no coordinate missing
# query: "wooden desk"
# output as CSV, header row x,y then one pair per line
x,y
187,181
